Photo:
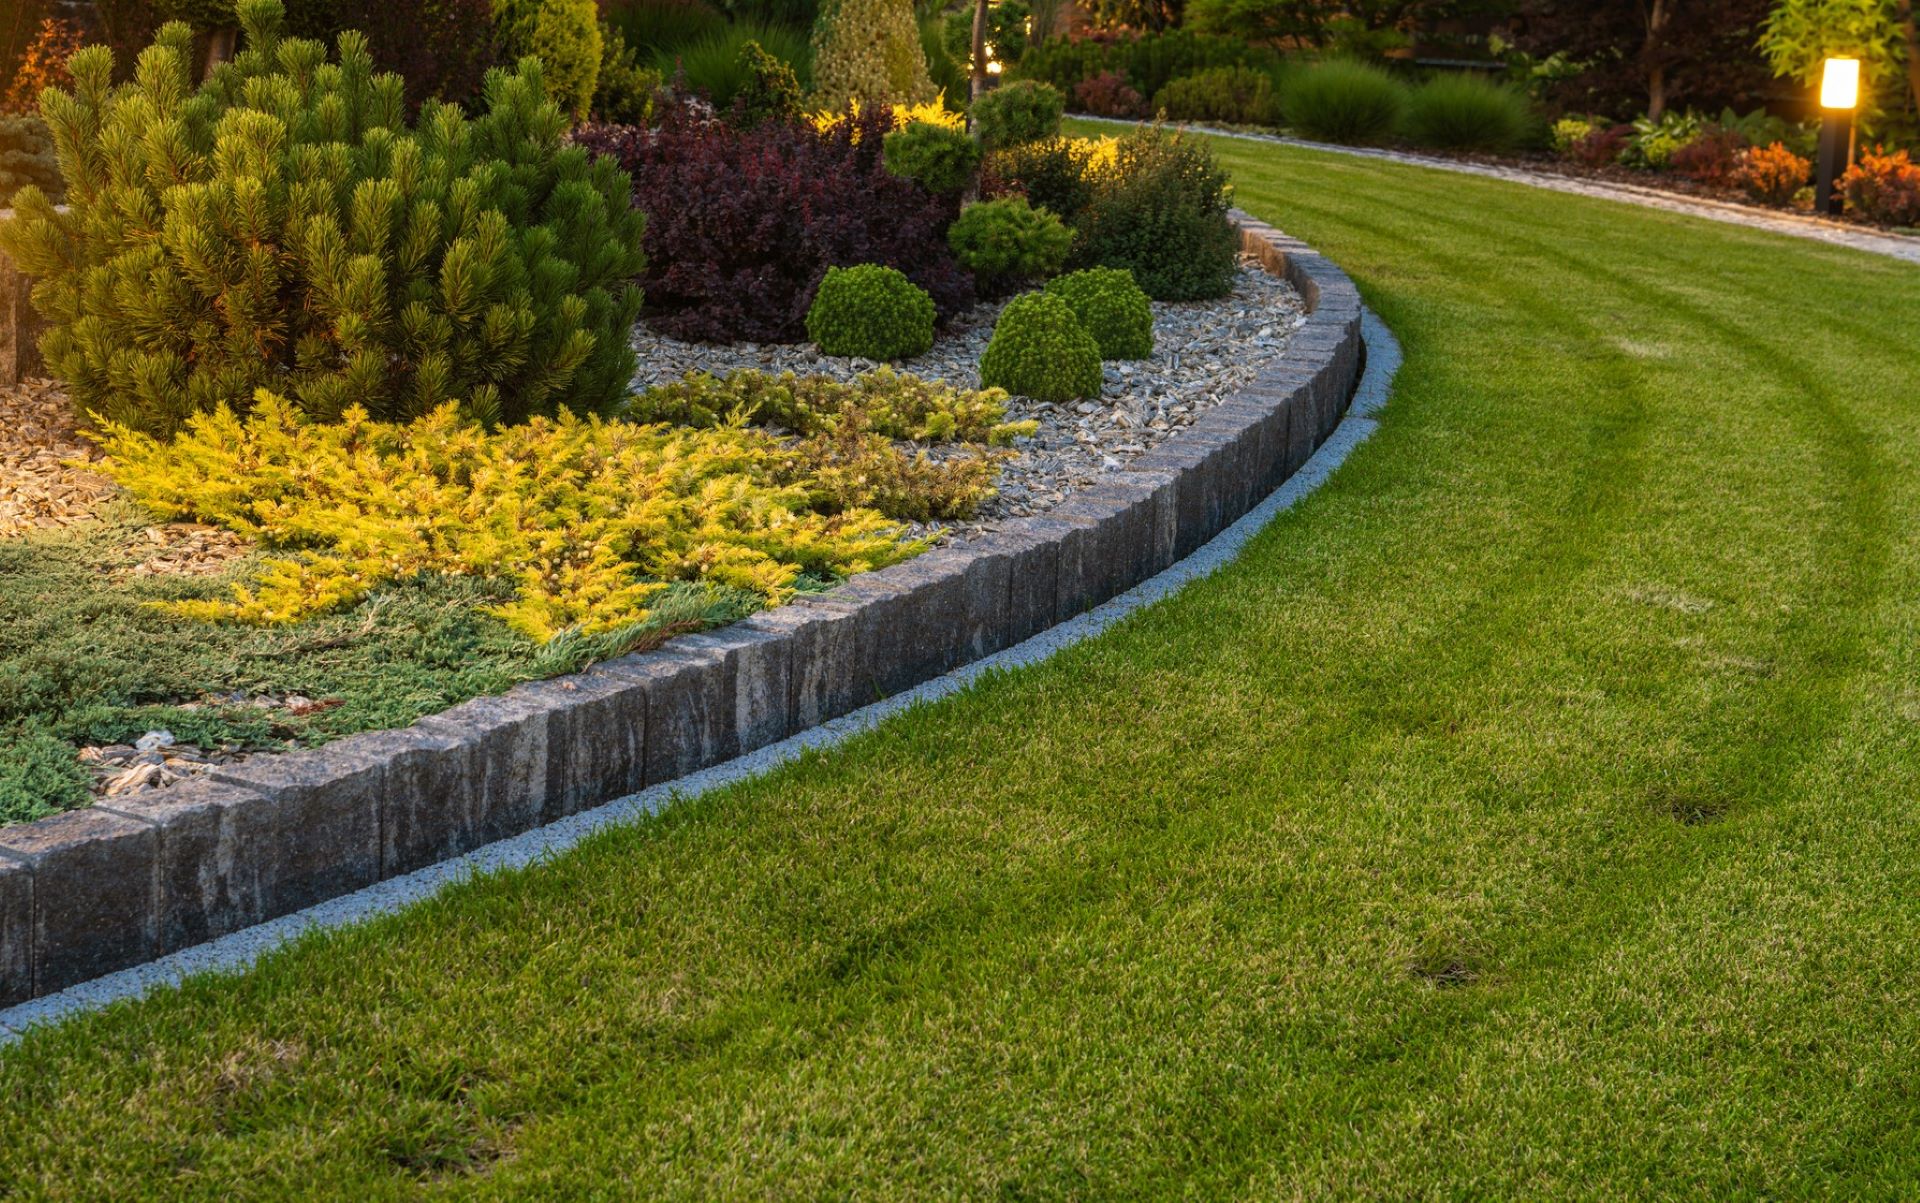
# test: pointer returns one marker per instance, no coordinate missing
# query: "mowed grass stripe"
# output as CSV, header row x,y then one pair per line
x,y
1364,868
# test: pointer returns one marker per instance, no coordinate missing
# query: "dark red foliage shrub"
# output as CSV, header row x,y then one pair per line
x,y
742,224
1108,95
1712,157
1884,187
1601,147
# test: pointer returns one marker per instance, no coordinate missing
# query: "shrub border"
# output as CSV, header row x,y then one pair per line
x,y
130,879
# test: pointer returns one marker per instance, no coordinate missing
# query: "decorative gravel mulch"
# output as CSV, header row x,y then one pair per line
x,y
1203,351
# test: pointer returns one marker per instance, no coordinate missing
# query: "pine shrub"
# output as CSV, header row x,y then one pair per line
x,y
1039,349
1017,113
742,224
1235,95
1160,211
939,159
1112,308
1340,100
282,226
870,312
1465,112
26,157
868,52
1008,241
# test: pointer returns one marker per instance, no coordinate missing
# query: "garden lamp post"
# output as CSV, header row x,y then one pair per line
x,y
1839,96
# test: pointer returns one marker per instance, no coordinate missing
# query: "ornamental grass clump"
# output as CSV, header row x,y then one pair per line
x,y
1456,111
1112,308
1343,101
589,521
1039,349
1008,241
282,226
870,312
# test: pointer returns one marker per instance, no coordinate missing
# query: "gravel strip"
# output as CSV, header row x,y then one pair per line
x,y
1203,351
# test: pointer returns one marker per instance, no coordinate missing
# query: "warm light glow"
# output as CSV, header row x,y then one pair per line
x,y
993,67
1840,83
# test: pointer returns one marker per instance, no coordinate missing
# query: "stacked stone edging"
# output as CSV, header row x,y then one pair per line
x,y
134,878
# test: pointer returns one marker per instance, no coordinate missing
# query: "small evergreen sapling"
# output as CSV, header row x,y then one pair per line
x,y
1039,349
282,227
1112,308
1008,240
870,312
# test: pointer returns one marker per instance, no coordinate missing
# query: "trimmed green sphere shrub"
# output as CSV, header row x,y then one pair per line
x,y
1160,211
1009,240
1039,349
871,312
1014,113
1343,101
1466,112
939,159
283,227
1112,308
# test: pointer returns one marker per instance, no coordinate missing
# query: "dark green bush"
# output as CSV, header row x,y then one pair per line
x,y
1160,211
26,157
1343,101
1008,240
625,91
1148,61
1040,350
1467,112
1112,308
300,236
1017,113
870,312
1235,95
939,159
771,91
1054,173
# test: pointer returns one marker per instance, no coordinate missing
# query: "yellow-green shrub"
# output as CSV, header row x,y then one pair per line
x,y
589,519
894,405
868,52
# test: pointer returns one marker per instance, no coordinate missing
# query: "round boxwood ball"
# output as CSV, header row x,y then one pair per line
x,y
1040,350
1112,308
872,312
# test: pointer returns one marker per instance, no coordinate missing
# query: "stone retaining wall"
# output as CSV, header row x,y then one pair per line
x,y
91,891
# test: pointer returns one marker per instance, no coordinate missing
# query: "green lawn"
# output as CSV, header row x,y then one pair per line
x,y
1530,812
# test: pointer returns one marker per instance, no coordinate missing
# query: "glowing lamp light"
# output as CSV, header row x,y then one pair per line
x,y
993,66
1840,83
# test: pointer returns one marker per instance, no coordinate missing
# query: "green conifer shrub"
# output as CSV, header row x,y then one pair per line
x,y
871,312
867,52
939,159
1160,211
1112,308
1039,349
282,227
1006,241
565,36
1016,113
771,91
625,90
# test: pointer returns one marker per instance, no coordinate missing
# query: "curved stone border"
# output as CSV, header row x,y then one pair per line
x,y
92,891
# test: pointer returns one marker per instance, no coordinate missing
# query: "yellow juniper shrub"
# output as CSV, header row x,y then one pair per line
x,y
933,112
590,519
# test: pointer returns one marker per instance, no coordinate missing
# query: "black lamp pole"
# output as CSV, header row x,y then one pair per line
x,y
1835,126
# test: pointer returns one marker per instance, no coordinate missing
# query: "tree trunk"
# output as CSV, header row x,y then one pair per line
x,y
1657,17
979,49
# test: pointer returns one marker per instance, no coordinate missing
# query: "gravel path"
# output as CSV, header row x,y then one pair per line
x,y
1797,225
1203,351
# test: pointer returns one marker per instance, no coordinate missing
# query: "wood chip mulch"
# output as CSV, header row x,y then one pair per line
x,y
45,484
